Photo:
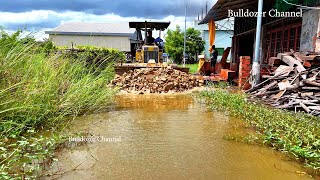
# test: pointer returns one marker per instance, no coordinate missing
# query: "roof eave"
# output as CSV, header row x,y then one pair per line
x,y
220,10
88,33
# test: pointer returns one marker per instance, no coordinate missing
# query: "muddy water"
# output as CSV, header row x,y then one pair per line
x,y
168,137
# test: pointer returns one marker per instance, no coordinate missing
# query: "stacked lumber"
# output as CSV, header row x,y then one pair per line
x,y
156,80
294,86
291,58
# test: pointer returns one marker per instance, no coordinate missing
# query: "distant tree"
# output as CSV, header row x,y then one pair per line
x,y
175,40
195,44
174,44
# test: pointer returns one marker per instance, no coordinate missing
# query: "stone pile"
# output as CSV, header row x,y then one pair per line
x,y
156,80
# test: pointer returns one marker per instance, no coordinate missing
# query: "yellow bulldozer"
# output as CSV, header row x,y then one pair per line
x,y
147,52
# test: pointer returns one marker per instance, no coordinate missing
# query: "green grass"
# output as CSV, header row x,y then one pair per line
x,y
37,93
193,68
297,135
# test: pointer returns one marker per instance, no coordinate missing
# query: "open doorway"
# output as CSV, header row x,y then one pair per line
x,y
246,45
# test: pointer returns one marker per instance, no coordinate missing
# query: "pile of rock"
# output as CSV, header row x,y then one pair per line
x,y
156,80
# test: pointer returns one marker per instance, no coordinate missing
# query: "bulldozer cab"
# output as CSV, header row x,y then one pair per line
x,y
147,52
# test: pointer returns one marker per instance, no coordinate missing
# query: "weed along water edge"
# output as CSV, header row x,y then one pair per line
x,y
294,134
38,92
167,137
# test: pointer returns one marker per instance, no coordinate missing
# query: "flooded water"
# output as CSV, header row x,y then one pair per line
x,y
167,137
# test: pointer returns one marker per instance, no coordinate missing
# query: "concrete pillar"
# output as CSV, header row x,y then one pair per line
x,y
310,31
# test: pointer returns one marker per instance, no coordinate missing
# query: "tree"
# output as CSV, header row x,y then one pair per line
x,y
175,39
194,44
174,44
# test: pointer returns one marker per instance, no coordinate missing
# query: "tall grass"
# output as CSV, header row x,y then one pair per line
x,y
298,135
38,92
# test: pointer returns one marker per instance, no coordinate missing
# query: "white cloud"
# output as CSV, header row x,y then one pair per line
x,y
25,17
38,21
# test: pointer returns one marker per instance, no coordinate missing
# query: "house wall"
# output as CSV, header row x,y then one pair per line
x,y
310,32
278,36
116,42
205,37
223,40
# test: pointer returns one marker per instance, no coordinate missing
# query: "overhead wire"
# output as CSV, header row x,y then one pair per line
x,y
301,6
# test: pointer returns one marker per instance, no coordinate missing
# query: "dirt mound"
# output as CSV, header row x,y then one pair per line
x,y
153,80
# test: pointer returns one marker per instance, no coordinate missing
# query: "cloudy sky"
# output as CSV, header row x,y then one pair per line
x,y
39,15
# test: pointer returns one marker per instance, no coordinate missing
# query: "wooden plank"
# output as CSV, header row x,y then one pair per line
x,y
300,68
266,76
292,92
283,70
304,107
260,84
289,60
280,55
284,84
311,88
307,58
307,101
313,78
313,97
288,105
311,83
307,94
268,93
269,86
269,76
314,108
279,95
296,55
296,79
225,55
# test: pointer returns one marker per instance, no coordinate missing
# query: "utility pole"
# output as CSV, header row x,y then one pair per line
x,y
201,13
206,7
185,35
255,73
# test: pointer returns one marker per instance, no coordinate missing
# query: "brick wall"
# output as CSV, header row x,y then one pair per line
x,y
244,72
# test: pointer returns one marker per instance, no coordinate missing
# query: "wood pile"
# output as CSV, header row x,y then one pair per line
x,y
156,80
293,85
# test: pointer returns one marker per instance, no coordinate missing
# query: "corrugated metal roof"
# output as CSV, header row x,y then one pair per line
x,y
220,10
85,28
